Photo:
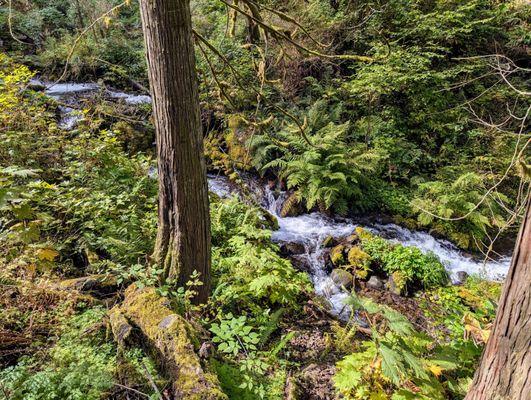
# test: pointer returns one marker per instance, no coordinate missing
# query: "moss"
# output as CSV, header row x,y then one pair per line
x,y
397,282
357,257
170,336
336,255
359,262
328,241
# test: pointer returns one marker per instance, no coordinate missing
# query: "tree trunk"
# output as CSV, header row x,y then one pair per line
x,y
505,369
183,236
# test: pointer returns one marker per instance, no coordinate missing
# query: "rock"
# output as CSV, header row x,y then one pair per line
x,y
396,283
352,239
375,283
329,242
98,284
271,221
336,255
36,85
342,278
292,248
461,277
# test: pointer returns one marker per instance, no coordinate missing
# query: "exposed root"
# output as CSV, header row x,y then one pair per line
x,y
169,336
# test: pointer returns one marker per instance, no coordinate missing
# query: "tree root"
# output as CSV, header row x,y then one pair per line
x,y
168,335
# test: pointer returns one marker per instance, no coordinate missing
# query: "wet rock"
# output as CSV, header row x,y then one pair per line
x,y
300,263
342,278
352,239
292,248
36,85
461,277
375,283
329,242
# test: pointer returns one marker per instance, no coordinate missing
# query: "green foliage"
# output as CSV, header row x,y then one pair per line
x,y
465,310
234,336
80,366
415,268
326,170
464,199
401,363
249,272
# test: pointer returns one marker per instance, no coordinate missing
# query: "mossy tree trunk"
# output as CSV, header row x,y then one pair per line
x,y
505,369
183,236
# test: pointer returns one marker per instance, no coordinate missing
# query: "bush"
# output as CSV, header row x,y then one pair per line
x,y
416,270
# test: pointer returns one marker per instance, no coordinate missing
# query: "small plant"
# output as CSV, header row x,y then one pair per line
x,y
236,338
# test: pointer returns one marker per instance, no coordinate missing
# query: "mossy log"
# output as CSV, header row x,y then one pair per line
x,y
169,336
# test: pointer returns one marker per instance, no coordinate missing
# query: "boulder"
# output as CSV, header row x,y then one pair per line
x,y
36,85
292,248
461,277
342,278
375,283
352,239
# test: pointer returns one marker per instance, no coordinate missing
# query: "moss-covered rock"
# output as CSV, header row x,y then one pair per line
x,y
342,278
170,336
397,283
336,255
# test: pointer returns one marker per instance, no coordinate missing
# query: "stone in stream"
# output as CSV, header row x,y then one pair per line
x,y
329,242
375,283
342,278
461,277
292,248
396,283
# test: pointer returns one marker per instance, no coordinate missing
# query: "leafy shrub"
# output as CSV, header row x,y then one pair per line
x,y
324,169
248,269
463,198
413,267
399,363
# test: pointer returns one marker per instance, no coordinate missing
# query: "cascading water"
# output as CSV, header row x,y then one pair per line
x,y
308,229
69,93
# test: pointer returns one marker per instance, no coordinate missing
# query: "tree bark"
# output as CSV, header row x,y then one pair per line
x,y
183,235
505,369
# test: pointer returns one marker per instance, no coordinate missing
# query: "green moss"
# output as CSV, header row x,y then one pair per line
x,y
170,335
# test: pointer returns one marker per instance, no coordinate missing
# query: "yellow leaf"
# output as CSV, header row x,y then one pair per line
x,y
47,254
436,370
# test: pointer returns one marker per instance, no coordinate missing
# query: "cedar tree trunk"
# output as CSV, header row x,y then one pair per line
x,y
183,236
505,369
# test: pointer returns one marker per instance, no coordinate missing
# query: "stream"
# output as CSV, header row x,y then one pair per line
x,y
308,229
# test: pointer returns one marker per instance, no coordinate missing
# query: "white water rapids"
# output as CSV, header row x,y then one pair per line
x,y
307,229
311,229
